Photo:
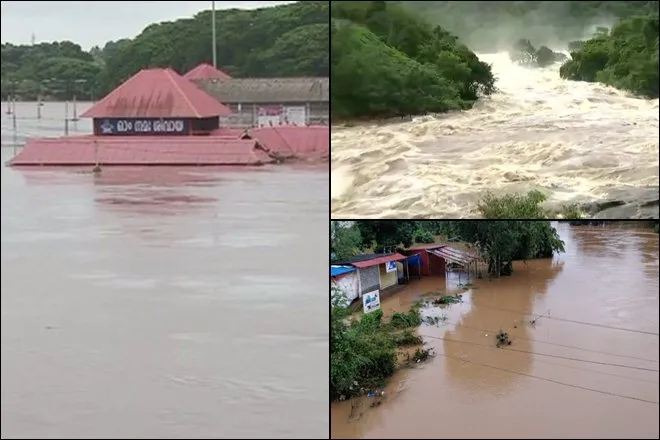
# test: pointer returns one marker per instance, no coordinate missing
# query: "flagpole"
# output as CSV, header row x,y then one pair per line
x,y
215,59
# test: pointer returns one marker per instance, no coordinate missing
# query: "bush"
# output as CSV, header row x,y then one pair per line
x,y
513,206
363,352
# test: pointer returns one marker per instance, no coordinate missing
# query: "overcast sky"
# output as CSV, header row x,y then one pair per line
x,y
90,23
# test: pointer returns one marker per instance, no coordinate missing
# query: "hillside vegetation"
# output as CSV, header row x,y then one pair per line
x,y
625,58
287,40
388,62
487,26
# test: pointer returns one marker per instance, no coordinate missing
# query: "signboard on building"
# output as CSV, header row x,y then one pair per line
x,y
295,115
390,266
276,115
371,301
141,126
270,116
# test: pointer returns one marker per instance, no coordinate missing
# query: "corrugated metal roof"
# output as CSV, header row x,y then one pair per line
x,y
206,71
268,90
452,255
157,93
309,142
116,150
378,260
335,271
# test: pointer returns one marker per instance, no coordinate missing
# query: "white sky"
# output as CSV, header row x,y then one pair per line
x,y
91,23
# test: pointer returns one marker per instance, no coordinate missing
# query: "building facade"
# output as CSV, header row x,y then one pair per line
x,y
263,102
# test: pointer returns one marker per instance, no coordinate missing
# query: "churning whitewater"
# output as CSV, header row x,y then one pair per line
x,y
577,142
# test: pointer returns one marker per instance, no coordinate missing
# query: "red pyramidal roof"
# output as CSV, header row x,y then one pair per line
x,y
206,71
157,93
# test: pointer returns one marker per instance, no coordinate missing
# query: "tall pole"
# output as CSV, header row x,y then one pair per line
x,y
215,57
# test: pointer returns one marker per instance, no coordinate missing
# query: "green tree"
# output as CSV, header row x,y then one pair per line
x,y
503,241
386,234
625,58
345,241
286,40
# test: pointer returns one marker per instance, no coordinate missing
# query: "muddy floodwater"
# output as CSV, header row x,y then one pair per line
x,y
164,303
588,368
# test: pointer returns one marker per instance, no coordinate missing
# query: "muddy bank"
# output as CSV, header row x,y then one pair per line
x,y
593,355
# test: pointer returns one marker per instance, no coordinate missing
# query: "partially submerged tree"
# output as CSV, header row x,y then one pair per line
x,y
504,241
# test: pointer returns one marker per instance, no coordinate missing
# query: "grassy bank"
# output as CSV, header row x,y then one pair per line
x,y
366,350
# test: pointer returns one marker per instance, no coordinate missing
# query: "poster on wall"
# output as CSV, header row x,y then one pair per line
x,y
390,266
270,116
371,301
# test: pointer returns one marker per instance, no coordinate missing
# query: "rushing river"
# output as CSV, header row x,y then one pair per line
x,y
162,302
575,141
558,379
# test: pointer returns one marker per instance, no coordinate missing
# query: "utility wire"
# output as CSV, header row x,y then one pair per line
x,y
596,372
561,345
570,320
552,380
543,354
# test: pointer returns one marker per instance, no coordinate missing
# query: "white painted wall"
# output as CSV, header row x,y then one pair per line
x,y
348,283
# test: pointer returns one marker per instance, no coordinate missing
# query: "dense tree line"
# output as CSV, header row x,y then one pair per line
x,y
493,25
387,62
287,40
625,58
498,241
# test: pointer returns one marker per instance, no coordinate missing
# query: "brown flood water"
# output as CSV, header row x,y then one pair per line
x,y
164,303
608,277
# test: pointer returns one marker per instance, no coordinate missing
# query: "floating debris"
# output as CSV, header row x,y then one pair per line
x,y
502,339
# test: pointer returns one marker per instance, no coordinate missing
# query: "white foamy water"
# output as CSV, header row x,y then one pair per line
x,y
575,141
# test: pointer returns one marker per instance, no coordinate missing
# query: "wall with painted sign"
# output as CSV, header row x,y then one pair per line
x,y
141,126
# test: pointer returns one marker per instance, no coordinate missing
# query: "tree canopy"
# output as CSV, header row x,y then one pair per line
x,y
388,62
625,58
286,40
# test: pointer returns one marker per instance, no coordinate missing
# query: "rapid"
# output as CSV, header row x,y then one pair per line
x,y
576,142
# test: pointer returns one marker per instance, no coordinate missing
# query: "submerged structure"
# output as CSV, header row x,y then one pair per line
x,y
158,117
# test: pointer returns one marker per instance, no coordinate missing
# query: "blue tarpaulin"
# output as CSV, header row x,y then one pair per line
x,y
415,259
340,270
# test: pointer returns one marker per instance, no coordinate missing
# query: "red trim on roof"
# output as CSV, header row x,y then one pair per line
x,y
378,260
